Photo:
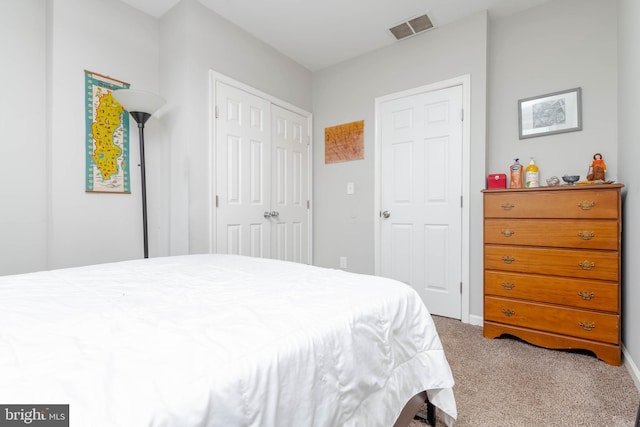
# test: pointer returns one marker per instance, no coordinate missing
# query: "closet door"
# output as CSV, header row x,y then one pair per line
x,y
262,178
290,186
243,173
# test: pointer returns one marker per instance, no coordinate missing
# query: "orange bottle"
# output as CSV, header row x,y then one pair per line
x,y
515,175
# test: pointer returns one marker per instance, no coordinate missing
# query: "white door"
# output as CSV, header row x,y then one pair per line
x,y
290,186
262,177
243,173
421,191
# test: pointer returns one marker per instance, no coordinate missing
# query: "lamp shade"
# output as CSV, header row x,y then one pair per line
x,y
141,101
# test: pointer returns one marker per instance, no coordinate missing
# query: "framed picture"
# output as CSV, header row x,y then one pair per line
x,y
549,114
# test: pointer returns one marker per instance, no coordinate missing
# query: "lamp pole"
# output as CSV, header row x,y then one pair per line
x,y
141,105
141,118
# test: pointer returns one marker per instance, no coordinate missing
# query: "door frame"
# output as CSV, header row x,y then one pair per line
x,y
465,82
214,77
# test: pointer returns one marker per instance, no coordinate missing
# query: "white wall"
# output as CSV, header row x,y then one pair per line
x,y
559,45
195,40
23,137
344,224
113,39
47,220
629,155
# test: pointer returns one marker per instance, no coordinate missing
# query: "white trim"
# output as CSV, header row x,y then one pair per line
x,y
211,175
476,320
631,366
465,82
214,77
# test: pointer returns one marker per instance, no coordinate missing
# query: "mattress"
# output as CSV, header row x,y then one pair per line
x,y
218,340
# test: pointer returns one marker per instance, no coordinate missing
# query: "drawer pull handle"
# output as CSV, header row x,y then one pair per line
x,y
508,286
586,265
508,259
507,312
507,206
586,205
587,326
586,235
586,295
508,233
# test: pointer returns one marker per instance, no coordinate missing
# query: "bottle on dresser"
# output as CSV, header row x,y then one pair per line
x,y
515,175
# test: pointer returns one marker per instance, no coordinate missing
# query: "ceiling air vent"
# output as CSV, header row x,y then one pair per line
x,y
411,27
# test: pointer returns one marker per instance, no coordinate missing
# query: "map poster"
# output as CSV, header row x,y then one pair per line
x,y
107,136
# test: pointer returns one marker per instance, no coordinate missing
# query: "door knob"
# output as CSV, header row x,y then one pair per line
x,y
275,214
386,214
267,215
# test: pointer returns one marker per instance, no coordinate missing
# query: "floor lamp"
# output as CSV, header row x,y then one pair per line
x,y
141,105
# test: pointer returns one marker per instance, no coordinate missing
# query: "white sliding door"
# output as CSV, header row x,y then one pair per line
x,y
290,186
262,177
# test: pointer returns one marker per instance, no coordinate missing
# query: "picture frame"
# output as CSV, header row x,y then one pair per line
x,y
550,114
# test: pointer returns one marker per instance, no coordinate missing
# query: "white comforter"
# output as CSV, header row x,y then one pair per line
x,y
217,340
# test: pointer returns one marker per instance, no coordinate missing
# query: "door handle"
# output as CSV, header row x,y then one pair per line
x,y
275,214
386,214
267,215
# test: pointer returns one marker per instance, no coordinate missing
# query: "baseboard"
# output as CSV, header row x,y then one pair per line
x,y
475,320
632,367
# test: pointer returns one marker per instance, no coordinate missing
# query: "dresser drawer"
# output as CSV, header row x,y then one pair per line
x,y
577,203
579,293
586,264
567,321
584,234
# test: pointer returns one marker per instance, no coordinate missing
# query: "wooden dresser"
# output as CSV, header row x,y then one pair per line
x,y
552,267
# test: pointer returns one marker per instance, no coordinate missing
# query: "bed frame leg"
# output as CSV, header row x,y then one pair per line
x,y
411,411
430,414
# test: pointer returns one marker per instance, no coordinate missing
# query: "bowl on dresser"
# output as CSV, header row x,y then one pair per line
x,y
571,179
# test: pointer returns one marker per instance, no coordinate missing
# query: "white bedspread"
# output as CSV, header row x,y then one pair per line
x,y
217,340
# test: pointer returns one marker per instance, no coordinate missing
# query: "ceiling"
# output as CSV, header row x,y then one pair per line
x,y
320,33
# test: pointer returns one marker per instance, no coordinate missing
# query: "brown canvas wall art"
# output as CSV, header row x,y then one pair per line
x,y
344,142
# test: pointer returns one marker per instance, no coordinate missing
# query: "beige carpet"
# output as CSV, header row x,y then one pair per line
x,y
507,382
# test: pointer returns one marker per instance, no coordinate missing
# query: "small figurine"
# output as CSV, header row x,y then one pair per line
x,y
597,169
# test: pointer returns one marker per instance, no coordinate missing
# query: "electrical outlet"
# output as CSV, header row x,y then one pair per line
x,y
343,262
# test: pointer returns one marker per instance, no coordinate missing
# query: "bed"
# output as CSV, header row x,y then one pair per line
x,y
219,340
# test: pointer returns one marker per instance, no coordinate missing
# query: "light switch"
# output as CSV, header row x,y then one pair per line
x,y
351,188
